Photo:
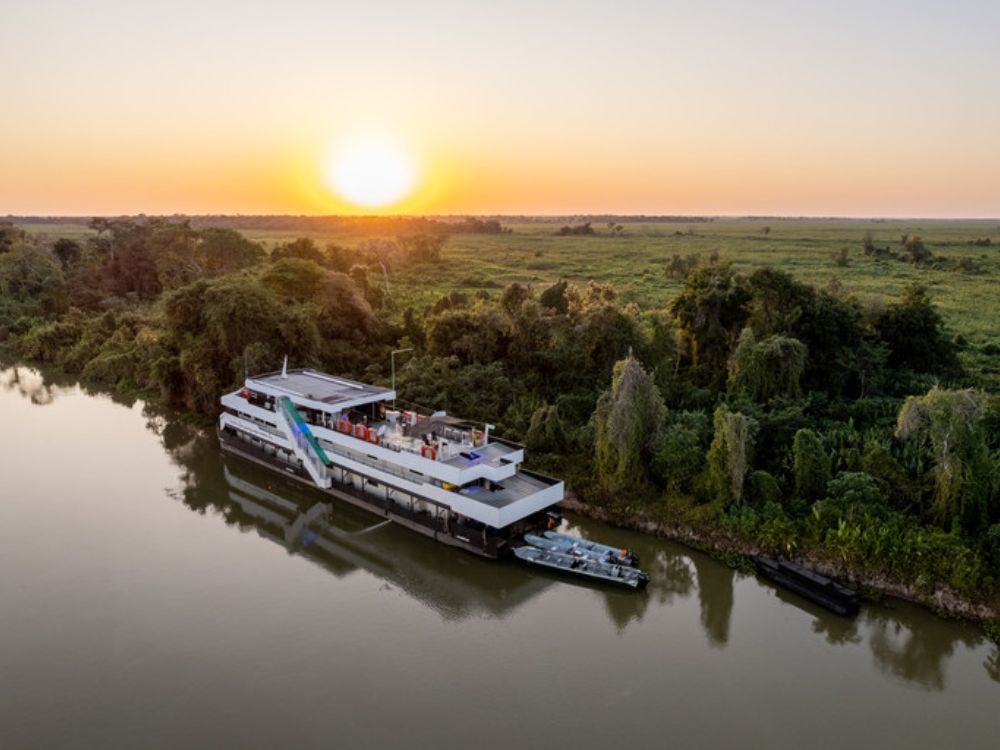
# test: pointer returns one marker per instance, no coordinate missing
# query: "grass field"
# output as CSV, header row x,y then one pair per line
x,y
634,263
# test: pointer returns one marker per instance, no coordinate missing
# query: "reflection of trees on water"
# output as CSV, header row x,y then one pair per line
x,y
992,664
837,630
674,573
42,386
31,384
625,606
715,594
914,647
670,577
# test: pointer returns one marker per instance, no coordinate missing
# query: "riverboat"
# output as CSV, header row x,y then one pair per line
x,y
439,475
809,584
621,575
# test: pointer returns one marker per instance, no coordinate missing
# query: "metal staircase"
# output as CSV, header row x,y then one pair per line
x,y
304,443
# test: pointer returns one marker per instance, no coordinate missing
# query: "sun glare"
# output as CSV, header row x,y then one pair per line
x,y
371,172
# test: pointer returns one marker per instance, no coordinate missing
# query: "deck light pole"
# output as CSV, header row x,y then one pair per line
x,y
392,359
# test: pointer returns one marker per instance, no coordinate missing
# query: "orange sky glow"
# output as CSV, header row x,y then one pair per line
x,y
773,108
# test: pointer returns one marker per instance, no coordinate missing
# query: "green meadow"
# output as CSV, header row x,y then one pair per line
x,y
634,263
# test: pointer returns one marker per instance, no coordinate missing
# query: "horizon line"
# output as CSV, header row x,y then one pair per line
x,y
550,216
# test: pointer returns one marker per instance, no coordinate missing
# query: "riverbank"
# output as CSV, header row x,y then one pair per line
x,y
729,547
942,599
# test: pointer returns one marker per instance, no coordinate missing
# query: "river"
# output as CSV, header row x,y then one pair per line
x,y
155,594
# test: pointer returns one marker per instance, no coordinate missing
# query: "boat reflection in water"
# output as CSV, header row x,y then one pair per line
x,y
905,643
344,539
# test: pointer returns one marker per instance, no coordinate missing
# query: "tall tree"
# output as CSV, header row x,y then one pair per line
x,y
711,311
730,454
965,475
627,423
913,330
767,369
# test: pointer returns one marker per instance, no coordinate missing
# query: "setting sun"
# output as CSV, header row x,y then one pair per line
x,y
372,171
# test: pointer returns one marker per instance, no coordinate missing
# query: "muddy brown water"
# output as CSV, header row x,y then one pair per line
x,y
155,594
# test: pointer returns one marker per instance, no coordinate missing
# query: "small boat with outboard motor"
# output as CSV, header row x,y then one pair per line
x,y
617,555
809,584
569,546
588,567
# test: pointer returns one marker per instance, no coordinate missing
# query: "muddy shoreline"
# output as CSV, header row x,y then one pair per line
x,y
943,600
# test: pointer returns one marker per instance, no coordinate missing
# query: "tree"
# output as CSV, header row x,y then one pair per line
x,y
627,422
9,236
67,251
711,310
294,279
868,244
777,302
422,248
374,294
854,488
225,250
679,266
841,359
965,475
302,248
680,452
513,296
913,331
812,465
554,297
729,456
173,249
473,336
915,250
584,229
545,432
31,277
767,369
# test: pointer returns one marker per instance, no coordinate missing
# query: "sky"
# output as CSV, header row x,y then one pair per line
x,y
724,108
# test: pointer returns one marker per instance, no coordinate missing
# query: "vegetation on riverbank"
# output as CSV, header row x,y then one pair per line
x,y
805,418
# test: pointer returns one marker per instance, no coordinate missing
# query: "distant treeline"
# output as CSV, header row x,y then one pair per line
x,y
431,224
373,225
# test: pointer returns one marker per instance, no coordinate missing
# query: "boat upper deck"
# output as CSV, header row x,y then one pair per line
x,y
507,492
318,387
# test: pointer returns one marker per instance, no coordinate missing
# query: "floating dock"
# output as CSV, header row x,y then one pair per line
x,y
809,585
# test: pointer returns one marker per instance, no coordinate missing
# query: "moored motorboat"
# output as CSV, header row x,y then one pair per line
x,y
555,545
621,575
809,584
620,555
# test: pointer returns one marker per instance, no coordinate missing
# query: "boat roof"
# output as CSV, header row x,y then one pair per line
x,y
320,387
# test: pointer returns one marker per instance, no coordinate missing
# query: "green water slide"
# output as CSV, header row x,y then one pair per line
x,y
299,424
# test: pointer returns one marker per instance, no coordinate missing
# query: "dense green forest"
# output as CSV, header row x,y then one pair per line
x,y
800,418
